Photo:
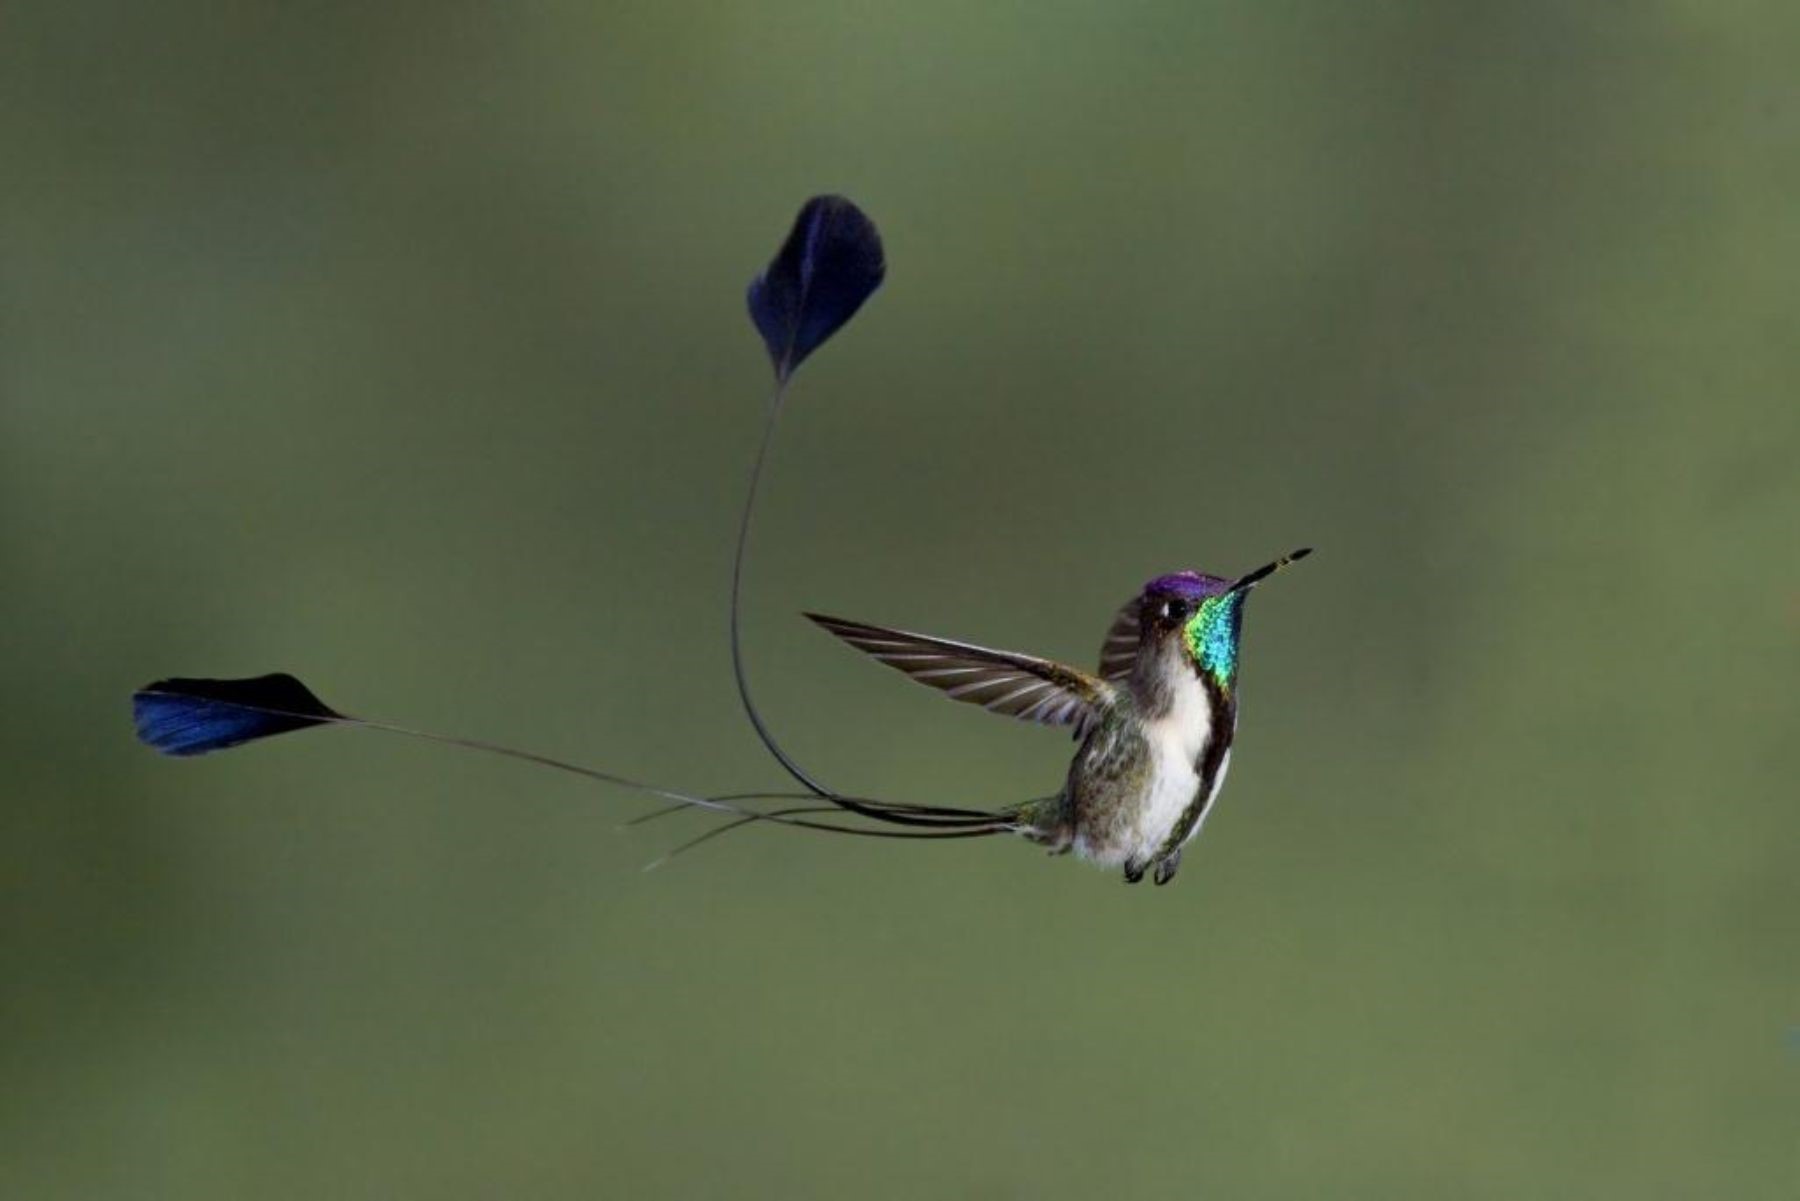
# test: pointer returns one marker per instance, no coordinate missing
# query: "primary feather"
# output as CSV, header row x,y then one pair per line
x,y
1004,682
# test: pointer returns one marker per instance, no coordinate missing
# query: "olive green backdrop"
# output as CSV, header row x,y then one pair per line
x,y
403,347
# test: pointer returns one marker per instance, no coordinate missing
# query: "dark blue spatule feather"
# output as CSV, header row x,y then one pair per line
x,y
830,263
192,717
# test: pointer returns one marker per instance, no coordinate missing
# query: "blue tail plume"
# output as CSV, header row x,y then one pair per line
x,y
831,262
192,717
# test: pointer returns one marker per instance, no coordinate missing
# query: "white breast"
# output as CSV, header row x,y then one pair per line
x,y
1176,741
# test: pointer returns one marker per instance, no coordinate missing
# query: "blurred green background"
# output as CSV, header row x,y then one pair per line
x,y
403,347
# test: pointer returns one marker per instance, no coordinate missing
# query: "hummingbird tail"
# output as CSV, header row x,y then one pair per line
x,y
1043,821
187,717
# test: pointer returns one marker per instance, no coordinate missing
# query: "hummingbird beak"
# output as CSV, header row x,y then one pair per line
x,y
1251,580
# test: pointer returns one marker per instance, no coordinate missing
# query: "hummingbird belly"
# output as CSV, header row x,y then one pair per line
x,y
1136,783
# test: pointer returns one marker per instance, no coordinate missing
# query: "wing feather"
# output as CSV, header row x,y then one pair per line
x,y
1120,648
1004,682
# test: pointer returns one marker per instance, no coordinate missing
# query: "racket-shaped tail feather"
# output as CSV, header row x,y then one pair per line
x,y
186,716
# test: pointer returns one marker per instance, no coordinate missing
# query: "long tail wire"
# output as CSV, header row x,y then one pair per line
x,y
928,816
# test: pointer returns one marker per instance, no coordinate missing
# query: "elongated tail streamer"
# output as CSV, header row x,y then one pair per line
x,y
188,717
831,262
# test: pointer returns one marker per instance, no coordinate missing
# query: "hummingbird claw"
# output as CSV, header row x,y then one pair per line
x,y
1167,867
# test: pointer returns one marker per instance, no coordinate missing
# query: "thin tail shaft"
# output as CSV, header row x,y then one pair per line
x,y
195,716
745,520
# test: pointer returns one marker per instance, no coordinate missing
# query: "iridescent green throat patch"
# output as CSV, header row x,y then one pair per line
x,y
1212,635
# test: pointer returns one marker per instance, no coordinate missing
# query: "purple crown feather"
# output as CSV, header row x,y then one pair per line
x,y
1186,585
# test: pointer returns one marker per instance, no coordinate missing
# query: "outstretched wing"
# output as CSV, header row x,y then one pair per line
x,y
1020,686
1120,649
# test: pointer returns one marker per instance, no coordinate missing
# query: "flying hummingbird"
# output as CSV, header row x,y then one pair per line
x,y
1155,722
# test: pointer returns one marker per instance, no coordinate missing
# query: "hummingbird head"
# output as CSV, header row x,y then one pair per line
x,y
1197,617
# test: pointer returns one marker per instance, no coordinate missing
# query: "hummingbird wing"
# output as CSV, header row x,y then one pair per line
x,y
1020,686
1120,649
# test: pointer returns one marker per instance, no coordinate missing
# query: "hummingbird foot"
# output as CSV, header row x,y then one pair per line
x,y
1134,871
1167,866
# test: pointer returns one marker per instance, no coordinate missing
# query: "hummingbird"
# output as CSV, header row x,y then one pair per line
x,y
1155,721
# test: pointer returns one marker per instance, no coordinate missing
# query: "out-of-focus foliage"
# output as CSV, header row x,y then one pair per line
x,y
403,347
